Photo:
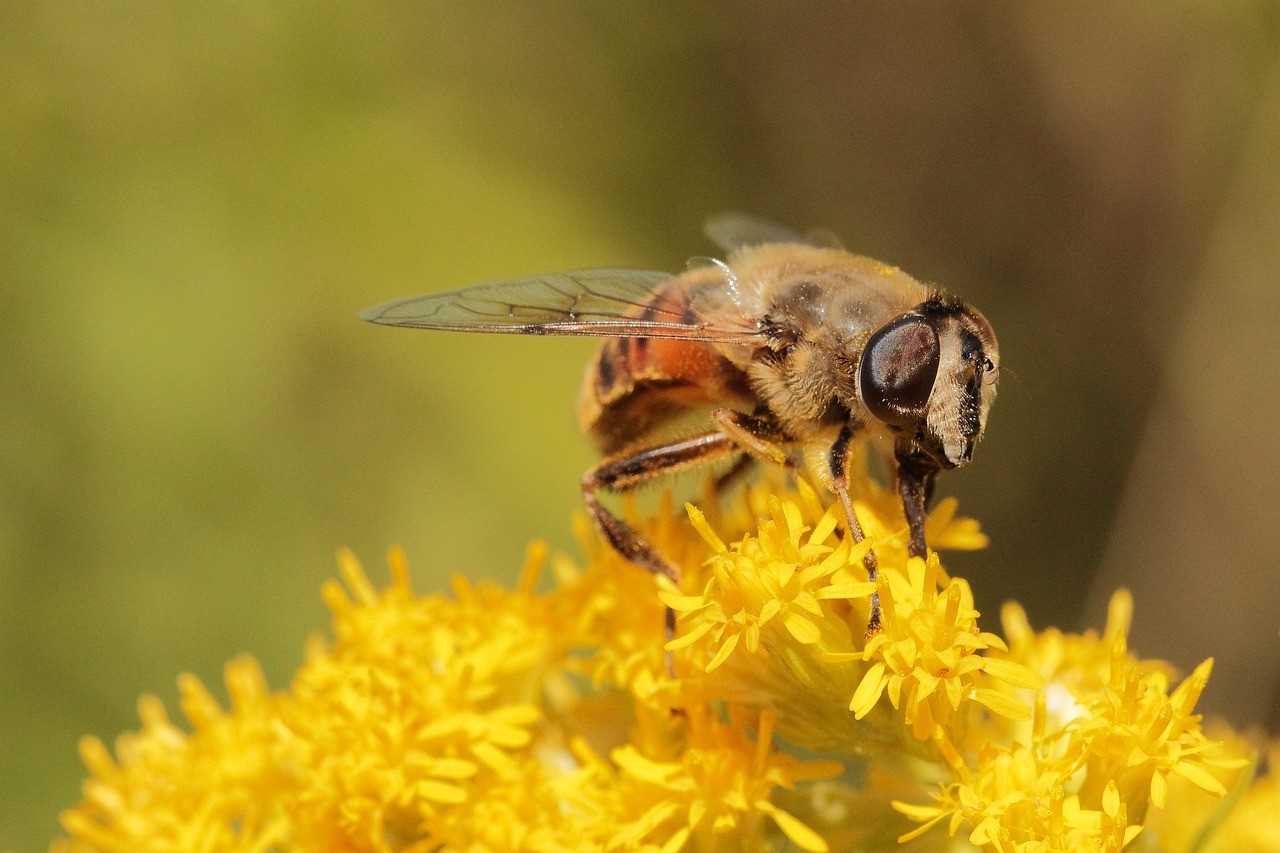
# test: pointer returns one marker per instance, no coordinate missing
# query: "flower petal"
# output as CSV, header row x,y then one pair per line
x,y
1005,706
868,691
800,834
1013,673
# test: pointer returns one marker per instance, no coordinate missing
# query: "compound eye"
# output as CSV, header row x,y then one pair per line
x,y
898,367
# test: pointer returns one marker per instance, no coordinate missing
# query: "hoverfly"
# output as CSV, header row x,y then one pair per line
x,y
789,343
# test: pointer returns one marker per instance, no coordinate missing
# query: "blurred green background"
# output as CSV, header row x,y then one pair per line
x,y
196,200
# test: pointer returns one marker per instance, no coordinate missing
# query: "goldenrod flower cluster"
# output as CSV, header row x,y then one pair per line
x,y
560,716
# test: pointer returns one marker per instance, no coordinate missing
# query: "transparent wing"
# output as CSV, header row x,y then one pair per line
x,y
602,303
732,231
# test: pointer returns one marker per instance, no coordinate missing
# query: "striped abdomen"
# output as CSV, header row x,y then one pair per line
x,y
635,386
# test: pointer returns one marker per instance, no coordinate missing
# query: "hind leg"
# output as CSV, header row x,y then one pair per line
x,y
625,472
754,437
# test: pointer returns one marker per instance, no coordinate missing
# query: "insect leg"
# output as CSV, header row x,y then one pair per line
x,y
915,483
838,463
740,467
759,439
758,436
624,472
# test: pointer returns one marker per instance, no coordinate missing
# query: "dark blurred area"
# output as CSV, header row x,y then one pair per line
x,y
195,201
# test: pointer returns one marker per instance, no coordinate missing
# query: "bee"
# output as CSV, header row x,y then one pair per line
x,y
790,343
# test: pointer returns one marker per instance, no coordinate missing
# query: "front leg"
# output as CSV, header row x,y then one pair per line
x,y
838,464
915,483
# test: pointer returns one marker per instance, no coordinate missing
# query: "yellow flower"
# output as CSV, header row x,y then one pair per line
x,y
1195,819
531,809
770,609
1254,822
418,703
611,611
771,585
716,792
495,720
926,658
1135,733
1072,665
945,532
1017,799
1096,772
214,788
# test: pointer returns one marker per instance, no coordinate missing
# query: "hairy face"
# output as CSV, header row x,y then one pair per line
x,y
930,375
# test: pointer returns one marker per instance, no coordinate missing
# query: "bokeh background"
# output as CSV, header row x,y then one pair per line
x,y
195,200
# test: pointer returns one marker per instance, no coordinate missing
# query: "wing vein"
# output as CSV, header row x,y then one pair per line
x,y
602,303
